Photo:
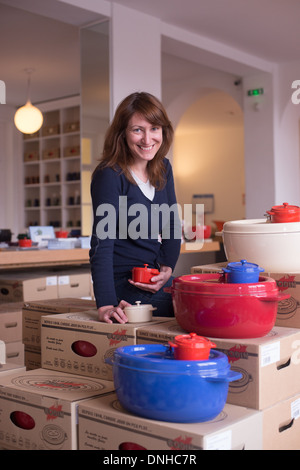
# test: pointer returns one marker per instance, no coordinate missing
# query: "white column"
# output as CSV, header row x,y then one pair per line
x,y
135,54
11,172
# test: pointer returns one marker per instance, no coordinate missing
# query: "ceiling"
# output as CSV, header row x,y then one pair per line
x,y
268,29
44,36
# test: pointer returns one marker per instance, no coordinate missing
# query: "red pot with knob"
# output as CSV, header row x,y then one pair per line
x,y
284,213
191,347
208,305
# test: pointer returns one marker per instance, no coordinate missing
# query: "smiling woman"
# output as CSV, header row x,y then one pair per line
x,y
134,168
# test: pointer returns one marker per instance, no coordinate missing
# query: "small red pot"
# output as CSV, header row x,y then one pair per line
x,y
25,243
61,234
210,307
144,274
284,213
200,231
191,347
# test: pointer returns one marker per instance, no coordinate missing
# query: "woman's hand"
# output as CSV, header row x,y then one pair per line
x,y
157,282
107,312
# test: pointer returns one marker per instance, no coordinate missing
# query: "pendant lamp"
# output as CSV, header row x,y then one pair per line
x,y
28,119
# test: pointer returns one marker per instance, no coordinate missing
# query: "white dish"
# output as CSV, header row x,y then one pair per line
x,y
274,247
139,313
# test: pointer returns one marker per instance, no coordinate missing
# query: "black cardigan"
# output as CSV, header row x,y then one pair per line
x,y
133,227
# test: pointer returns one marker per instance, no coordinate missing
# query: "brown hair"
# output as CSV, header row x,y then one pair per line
x,y
116,151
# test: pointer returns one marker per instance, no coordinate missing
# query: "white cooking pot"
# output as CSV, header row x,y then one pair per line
x,y
139,313
273,246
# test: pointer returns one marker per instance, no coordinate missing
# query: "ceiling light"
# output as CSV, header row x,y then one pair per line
x,y
28,119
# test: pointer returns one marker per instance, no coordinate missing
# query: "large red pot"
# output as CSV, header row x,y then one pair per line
x,y
207,305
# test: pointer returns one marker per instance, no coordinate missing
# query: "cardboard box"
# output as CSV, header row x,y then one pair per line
x,y
270,365
32,357
31,156
288,312
50,130
281,426
105,425
208,268
15,352
33,311
26,286
72,126
11,321
11,368
2,352
51,154
51,400
76,284
61,350
72,151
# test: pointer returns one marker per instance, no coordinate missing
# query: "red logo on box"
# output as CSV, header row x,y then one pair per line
x,y
236,353
117,337
285,283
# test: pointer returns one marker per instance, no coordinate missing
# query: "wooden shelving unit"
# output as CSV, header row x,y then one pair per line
x,y
52,168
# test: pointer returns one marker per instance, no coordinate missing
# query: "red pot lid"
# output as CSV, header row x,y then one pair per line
x,y
284,209
193,341
215,284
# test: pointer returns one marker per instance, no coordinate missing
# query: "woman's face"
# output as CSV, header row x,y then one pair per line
x,y
143,139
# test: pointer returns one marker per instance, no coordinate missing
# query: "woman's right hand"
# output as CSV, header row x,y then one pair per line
x,y
107,312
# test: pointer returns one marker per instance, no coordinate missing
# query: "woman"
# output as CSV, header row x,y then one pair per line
x,y
131,188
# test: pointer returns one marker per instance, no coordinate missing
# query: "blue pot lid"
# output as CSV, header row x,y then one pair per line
x,y
160,358
243,267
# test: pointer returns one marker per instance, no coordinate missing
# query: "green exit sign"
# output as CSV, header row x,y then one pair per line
x,y
255,92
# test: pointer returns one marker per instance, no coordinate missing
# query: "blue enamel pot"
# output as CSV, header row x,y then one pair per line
x,y
242,272
151,383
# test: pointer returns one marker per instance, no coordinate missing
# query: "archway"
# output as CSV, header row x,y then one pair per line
x,y
208,154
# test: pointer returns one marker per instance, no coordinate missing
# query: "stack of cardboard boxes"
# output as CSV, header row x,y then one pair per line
x,y
22,287
270,367
47,289
66,398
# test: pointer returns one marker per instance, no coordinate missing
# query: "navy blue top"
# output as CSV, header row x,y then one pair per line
x,y
129,212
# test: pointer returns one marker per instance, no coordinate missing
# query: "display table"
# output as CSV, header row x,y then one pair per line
x,y
17,258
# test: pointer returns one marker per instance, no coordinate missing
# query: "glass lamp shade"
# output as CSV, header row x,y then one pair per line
x,y
28,119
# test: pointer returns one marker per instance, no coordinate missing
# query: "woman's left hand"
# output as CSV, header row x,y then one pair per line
x,y
157,282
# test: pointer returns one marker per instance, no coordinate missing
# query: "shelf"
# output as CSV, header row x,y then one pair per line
x,y
24,258
195,247
51,171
